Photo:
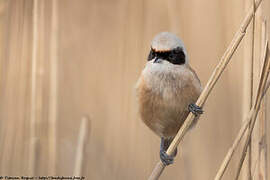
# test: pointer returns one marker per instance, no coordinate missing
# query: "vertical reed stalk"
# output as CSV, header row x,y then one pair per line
x,y
53,89
261,88
249,117
248,84
82,140
32,148
261,171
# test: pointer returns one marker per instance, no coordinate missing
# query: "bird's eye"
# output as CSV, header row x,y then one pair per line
x,y
151,55
171,55
177,50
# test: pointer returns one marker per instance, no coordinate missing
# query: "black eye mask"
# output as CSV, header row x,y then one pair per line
x,y
175,56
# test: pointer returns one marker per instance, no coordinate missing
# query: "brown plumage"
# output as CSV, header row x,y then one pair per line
x,y
164,97
166,88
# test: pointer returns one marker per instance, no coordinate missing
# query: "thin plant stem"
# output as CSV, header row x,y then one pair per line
x,y
32,148
53,89
252,114
264,75
208,88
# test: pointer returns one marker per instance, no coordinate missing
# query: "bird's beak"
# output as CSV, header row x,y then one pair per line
x,y
157,60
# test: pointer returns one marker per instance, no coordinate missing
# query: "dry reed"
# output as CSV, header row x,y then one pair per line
x,y
249,118
32,148
83,137
209,86
52,121
262,155
262,84
248,81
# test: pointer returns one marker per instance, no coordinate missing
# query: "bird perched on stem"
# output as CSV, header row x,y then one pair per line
x,y
167,90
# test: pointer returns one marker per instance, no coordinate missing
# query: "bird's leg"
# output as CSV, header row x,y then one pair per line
x,y
164,157
196,110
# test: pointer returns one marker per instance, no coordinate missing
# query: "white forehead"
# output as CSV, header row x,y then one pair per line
x,y
166,41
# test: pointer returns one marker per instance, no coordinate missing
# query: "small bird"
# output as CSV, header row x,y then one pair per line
x,y
167,90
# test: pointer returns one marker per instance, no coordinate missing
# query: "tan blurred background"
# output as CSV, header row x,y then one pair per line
x,y
62,60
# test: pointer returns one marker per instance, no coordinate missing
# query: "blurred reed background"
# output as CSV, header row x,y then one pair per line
x,y
66,62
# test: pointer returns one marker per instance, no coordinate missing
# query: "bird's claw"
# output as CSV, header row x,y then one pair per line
x,y
166,159
196,110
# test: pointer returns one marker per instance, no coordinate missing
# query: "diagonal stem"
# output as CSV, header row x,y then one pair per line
x,y
252,114
264,76
209,86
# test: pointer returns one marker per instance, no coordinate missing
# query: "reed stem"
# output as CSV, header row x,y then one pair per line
x,y
208,88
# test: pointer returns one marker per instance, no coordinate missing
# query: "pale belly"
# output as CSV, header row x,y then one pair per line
x,y
165,111
164,92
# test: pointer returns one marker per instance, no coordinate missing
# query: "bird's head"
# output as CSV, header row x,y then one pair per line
x,y
168,47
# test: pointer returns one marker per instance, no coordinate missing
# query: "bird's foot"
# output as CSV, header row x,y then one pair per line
x,y
196,110
165,158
